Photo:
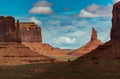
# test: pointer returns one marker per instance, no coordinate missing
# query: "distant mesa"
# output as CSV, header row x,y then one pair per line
x,y
91,45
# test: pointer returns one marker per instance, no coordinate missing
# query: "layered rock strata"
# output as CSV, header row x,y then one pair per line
x,y
30,32
8,30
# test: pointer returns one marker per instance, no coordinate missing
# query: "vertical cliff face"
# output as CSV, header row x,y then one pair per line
x,y
32,38
11,49
115,31
8,30
18,31
30,32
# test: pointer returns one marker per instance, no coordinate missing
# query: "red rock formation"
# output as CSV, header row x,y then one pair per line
x,y
18,31
11,50
32,38
30,32
12,53
48,50
94,34
91,45
8,31
105,58
115,31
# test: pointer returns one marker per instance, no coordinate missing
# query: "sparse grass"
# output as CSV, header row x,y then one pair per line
x,y
51,71
65,58
102,63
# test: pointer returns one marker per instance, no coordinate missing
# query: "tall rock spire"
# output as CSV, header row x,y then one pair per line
x,y
91,45
18,31
94,34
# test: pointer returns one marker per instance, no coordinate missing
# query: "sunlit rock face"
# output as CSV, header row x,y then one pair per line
x,y
115,31
30,32
8,30
91,45
94,34
11,31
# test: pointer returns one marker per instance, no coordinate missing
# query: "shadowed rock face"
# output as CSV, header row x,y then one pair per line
x,y
107,56
115,31
8,30
30,32
17,32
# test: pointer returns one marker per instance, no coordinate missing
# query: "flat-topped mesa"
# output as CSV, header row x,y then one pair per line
x,y
94,34
30,32
115,31
8,29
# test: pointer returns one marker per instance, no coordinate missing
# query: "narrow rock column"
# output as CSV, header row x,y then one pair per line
x,y
94,34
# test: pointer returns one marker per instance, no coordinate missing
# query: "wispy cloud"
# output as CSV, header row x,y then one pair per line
x,y
116,0
65,40
73,32
95,10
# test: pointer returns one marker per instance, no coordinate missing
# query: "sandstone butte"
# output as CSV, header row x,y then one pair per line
x,y
27,35
11,50
31,41
31,37
105,58
91,45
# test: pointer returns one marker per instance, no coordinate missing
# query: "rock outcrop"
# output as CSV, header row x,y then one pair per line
x,y
12,51
106,58
115,31
94,35
30,32
91,45
48,50
32,38
8,30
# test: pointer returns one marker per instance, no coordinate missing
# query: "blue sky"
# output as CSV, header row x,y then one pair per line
x,y
65,23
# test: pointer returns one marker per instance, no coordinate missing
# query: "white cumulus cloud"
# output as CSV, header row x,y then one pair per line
x,y
95,10
34,19
41,7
